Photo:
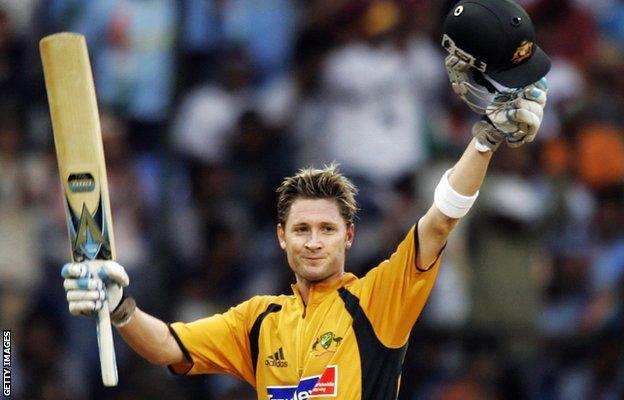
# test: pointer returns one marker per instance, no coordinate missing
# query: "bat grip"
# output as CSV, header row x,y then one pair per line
x,y
106,346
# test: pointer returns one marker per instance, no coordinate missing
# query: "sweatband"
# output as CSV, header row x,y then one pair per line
x,y
124,311
449,202
481,148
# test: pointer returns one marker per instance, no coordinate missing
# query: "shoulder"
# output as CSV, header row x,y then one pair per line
x,y
259,304
350,282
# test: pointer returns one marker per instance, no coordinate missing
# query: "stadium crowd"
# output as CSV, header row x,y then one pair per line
x,y
207,104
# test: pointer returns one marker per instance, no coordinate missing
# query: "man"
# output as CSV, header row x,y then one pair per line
x,y
336,335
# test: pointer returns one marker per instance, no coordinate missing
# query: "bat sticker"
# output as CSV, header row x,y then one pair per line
x,y
88,240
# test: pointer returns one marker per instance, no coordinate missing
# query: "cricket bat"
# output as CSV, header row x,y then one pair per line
x,y
80,156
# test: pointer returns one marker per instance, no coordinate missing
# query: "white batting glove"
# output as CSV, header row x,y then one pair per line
x,y
89,283
519,119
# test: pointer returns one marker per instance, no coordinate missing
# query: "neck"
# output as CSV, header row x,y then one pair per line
x,y
304,289
305,285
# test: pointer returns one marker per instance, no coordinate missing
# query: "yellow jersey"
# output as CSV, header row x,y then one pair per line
x,y
348,342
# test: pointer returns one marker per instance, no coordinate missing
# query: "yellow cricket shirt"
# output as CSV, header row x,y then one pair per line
x,y
347,343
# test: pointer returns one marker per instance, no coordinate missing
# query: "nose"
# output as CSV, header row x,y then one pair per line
x,y
313,243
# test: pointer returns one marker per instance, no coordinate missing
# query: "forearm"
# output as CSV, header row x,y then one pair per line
x,y
151,339
469,172
466,179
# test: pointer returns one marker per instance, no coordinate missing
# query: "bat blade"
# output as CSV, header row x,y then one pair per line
x,y
82,169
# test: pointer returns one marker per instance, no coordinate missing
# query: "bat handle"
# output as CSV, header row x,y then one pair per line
x,y
106,346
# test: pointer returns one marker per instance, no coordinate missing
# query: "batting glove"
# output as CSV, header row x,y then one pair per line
x,y
457,71
512,117
89,283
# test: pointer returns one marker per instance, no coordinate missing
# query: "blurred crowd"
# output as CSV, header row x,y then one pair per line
x,y
206,104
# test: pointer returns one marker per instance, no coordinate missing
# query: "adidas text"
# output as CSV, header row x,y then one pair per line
x,y
276,363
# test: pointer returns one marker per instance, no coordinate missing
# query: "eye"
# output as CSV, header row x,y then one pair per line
x,y
300,229
458,11
516,21
328,229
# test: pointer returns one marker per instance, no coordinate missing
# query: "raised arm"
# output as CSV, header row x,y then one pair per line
x,y
147,335
465,178
151,339
514,121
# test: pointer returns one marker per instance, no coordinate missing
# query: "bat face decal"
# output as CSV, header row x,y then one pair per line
x,y
79,183
88,234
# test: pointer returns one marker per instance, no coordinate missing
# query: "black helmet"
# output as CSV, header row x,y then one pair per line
x,y
496,37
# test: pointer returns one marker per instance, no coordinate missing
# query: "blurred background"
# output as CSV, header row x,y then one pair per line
x,y
207,104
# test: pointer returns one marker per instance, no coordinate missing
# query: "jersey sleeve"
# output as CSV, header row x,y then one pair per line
x,y
218,344
394,293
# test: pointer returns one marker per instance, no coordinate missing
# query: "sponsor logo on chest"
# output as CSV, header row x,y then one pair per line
x,y
325,385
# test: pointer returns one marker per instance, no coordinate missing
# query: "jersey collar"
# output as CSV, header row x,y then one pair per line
x,y
318,291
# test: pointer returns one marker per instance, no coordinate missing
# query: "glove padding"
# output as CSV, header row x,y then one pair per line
x,y
513,117
457,71
89,283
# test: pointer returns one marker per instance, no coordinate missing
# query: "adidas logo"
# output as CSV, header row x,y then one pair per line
x,y
276,359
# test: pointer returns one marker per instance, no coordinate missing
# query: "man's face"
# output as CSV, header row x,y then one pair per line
x,y
315,238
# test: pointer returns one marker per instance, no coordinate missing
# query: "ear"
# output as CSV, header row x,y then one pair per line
x,y
281,236
350,235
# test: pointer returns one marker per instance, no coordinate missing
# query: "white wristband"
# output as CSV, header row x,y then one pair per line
x,y
449,202
481,148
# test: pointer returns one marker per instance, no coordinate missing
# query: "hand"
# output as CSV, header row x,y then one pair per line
x,y
89,283
457,71
513,117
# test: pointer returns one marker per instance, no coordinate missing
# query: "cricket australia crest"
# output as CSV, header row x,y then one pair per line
x,y
524,51
326,343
